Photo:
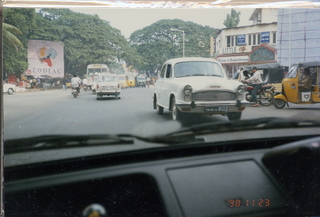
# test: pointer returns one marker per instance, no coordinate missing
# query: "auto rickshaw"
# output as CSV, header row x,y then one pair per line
x,y
123,81
293,90
131,81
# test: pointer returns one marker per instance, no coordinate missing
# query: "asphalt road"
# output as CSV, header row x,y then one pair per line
x,y
57,112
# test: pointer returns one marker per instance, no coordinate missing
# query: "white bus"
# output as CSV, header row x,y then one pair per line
x,y
94,70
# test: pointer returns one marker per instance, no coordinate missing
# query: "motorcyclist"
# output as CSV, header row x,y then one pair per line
x,y
75,82
255,81
84,83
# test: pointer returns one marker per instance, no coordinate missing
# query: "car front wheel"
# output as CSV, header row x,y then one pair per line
x,y
176,114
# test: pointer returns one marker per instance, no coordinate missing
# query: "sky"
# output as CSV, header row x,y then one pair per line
x,y
132,19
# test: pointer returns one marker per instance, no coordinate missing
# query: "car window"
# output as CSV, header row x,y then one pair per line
x,y
169,71
198,68
163,71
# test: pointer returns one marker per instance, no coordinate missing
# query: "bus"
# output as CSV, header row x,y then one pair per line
x,y
94,70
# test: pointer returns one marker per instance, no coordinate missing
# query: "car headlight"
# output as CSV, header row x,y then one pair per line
x,y
187,90
241,89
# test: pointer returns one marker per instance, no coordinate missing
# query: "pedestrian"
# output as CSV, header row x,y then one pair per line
x,y
64,84
39,82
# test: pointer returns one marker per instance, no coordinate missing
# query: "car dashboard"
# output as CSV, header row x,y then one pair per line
x,y
276,177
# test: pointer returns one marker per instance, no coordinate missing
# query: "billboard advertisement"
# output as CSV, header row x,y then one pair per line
x,y
45,58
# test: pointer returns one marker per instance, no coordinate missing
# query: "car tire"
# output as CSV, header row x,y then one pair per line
x,y
10,91
156,106
176,114
234,116
279,103
160,109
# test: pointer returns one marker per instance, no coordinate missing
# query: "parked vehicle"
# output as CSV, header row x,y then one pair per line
x,y
9,88
198,86
292,88
108,85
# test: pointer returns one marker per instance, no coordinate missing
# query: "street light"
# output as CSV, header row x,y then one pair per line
x,y
178,30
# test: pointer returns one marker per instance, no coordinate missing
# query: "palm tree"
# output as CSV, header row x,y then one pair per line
x,y
9,37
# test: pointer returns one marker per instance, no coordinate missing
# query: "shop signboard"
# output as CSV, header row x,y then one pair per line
x,y
241,39
265,37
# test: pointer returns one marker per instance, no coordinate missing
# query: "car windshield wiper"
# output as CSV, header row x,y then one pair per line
x,y
48,142
188,135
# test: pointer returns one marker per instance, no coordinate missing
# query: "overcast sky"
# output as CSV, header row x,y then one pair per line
x,y
130,20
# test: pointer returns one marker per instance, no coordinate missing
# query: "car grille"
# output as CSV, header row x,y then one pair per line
x,y
213,96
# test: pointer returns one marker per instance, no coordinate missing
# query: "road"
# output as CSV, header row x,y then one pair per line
x,y
57,112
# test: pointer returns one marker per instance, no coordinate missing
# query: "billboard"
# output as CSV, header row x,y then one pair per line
x,y
45,58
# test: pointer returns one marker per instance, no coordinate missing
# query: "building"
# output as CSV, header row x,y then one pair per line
x,y
254,44
298,35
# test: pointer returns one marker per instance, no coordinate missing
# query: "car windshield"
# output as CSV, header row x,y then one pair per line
x,y
107,78
186,69
60,43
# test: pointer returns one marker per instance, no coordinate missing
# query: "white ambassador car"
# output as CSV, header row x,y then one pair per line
x,y
197,85
108,85
9,88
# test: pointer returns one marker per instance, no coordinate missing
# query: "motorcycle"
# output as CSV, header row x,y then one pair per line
x,y
264,95
85,87
75,92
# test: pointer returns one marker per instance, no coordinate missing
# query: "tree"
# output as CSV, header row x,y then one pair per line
x,y
9,37
17,23
232,19
158,42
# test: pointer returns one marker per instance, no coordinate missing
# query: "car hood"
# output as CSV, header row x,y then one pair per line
x,y
208,82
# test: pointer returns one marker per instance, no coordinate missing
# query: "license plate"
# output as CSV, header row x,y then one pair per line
x,y
217,109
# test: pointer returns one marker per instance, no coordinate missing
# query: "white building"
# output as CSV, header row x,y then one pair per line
x,y
254,44
298,35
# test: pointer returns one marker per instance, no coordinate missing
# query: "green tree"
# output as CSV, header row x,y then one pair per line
x,y
232,19
9,37
158,42
16,29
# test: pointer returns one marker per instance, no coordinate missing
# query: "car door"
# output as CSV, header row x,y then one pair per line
x,y
167,85
159,89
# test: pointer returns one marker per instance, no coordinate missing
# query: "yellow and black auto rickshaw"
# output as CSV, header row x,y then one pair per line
x,y
294,91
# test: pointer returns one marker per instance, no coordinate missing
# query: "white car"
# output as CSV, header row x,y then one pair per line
x,y
198,85
108,84
9,88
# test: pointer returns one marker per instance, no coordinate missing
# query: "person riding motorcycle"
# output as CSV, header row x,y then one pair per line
x,y
75,82
255,81
85,83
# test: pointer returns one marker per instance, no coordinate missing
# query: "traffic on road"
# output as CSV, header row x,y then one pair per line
x,y
177,120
